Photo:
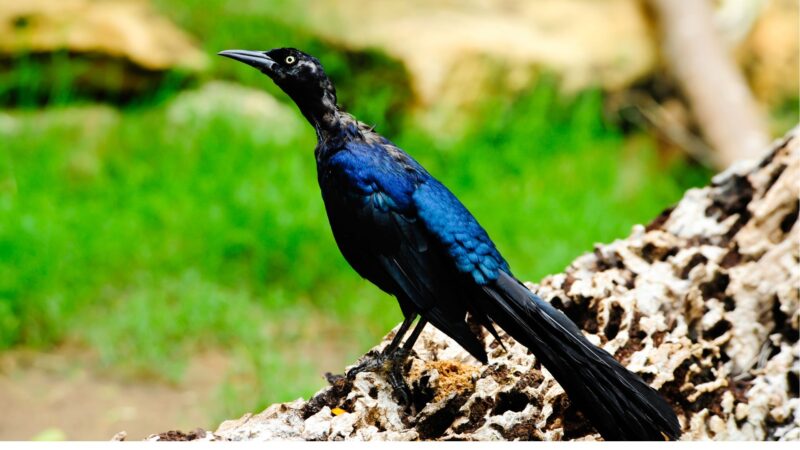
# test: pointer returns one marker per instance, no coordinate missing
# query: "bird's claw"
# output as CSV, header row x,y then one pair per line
x,y
368,365
399,386
390,365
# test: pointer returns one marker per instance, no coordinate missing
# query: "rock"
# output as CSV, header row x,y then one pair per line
x,y
251,109
442,42
770,54
458,53
343,425
114,46
318,426
8,124
119,29
120,437
172,436
702,303
280,421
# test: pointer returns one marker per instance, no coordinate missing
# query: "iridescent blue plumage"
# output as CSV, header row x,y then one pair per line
x,y
391,181
404,231
467,243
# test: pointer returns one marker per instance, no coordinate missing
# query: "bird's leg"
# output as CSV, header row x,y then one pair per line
x,y
391,361
396,363
398,337
374,364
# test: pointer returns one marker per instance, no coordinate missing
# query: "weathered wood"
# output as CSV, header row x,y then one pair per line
x,y
702,302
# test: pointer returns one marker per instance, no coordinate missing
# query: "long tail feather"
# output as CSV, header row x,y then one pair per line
x,y
620,405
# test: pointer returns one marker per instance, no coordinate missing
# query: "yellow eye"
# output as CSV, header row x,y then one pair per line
x,y
290,59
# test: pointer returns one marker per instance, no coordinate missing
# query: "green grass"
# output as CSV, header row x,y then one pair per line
x,y
147,241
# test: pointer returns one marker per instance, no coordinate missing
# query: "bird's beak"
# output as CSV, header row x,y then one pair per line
x,y
258,60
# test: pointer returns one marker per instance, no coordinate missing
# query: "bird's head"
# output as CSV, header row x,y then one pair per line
x,y
298,74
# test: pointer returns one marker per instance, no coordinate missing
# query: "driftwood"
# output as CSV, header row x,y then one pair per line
x,y
702,303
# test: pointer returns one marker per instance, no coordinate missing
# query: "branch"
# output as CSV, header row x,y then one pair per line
x,y
717,92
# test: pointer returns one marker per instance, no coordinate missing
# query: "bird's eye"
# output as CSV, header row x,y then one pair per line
x,y
290,59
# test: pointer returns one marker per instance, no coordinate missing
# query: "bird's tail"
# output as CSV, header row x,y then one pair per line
x,y
619,404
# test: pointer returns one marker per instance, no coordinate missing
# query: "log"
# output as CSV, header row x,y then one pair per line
x,y
702,303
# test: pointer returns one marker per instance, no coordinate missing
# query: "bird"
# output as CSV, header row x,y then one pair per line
x,y
403,230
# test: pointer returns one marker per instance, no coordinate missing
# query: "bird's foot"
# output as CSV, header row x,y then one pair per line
x,y
389,365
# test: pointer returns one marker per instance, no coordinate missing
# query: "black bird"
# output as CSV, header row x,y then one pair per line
x,y
404,231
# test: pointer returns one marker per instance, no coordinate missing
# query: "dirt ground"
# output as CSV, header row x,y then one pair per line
x,y
53,396
63,395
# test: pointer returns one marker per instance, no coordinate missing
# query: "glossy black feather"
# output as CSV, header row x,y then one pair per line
x,y
618,403
404,231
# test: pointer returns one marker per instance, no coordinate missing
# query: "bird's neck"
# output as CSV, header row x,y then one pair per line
x,y
322,114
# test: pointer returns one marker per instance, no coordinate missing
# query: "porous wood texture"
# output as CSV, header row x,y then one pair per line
x,y
702,303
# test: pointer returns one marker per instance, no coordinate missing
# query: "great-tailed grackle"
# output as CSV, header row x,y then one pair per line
x,y
404,231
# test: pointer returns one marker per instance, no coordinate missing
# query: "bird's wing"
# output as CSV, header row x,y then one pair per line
x,y
423,238
453,227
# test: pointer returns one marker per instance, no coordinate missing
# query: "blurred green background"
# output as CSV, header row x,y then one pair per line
x,y
138,235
